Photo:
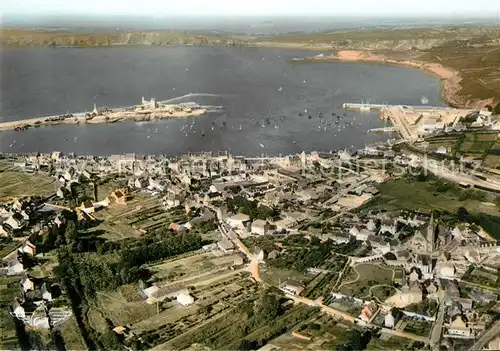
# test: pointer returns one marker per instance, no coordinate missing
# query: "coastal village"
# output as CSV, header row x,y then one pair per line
x,y
160,250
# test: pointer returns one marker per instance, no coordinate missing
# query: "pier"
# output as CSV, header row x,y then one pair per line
x,y
363,107
383,130
379,107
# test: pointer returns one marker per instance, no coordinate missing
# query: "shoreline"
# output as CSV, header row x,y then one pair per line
x,y
450,79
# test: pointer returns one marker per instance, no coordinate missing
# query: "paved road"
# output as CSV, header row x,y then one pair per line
x,y
459,177
437,330
486,337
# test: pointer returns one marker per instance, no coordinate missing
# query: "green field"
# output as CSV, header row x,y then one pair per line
x,y
366,279
9,288
142,213
18,184
413,195
70,333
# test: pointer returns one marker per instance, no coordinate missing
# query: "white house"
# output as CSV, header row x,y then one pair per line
x,y
28,248
18,309
459,327
259,227
185,299
16,221
389,320
27,284
14,267
46,294
238,221
446,269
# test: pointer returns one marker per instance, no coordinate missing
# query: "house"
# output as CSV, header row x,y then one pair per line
x,y
4,231
16,221
414,276
390,320
119,196
140,183
18,310
211,197
238,221
368,311
27,284
409,294
459,327
259,227
46,294
446,269
28,248
225,244
154,184
465,303
292,287
185,299
442,150
62,192
87,207
14,267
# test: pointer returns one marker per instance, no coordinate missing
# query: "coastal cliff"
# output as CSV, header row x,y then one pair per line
x,y
21,37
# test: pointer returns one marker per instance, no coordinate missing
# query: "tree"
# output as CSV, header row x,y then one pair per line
x,y
70,233
496,109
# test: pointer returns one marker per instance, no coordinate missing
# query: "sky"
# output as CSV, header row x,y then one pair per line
x,y
361,8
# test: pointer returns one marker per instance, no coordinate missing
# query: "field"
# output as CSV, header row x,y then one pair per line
x,y
216,288
477,65
367,279
9,289
142,213
413,195
71,335
18,184
7,247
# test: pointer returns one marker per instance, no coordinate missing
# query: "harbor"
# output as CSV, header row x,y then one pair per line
x,y
414,122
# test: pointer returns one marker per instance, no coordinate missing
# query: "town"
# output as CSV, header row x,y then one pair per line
x,y
301,251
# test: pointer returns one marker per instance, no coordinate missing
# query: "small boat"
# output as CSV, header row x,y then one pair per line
x,y
261,145
280,88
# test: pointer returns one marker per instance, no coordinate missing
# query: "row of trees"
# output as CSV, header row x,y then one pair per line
x,y
159,245
239,204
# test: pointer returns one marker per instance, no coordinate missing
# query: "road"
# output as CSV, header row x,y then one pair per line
x,y
486,336
456,177
437,330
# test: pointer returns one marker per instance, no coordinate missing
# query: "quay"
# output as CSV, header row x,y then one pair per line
x,y
415,122
383,130
379,107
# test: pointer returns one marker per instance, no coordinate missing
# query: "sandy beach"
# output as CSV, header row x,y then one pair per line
x,y
450,79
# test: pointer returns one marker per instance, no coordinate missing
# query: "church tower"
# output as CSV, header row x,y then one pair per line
x,y
431,230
